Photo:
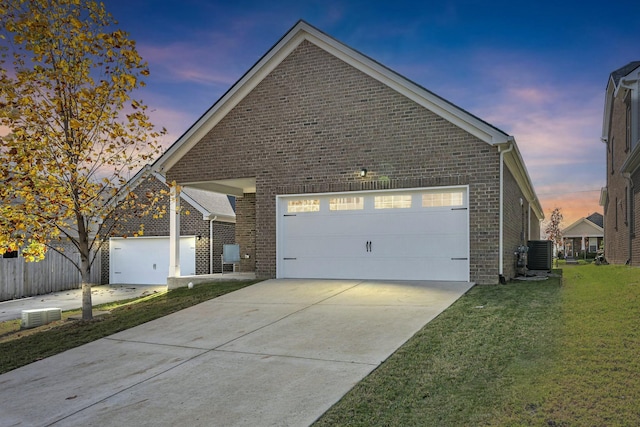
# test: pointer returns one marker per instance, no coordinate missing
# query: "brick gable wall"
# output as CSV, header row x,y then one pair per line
x,y
616,235
314,122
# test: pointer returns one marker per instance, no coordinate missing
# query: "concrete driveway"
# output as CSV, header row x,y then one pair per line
x,y
278,353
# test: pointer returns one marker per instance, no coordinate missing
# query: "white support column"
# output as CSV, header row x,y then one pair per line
x,y
174,232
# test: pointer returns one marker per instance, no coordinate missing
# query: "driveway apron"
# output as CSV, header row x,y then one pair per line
x,y
277,353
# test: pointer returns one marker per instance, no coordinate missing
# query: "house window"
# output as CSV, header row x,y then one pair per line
x,y
632,213
398,201
593,244
307,205
626,217
10,254
627,140
346,203
612,151
442,199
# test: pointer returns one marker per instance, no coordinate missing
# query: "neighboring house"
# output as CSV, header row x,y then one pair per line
x,y
583,236
344,169
621,196
209,223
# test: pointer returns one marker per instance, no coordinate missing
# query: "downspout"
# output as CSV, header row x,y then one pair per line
x,y
529,222
501,277
211,244
628,220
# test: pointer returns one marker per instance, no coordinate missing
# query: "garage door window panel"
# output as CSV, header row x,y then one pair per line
x,y
443,199
346,203
306,205
395,201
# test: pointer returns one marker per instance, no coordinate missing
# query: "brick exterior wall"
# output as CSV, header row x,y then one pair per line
x,y
516,221
223,233
635,213
191,224
246,231
616,224
313,123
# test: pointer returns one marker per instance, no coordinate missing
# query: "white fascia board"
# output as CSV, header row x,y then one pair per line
x,y
606,114
513,160
184,196
222,218
303,31
603,196
597,230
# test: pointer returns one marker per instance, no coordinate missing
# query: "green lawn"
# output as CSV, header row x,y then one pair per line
x,y
18,348
524,354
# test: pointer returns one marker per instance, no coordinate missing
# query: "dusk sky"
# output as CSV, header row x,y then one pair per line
x,y
536,70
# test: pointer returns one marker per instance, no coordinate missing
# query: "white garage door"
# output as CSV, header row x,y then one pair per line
x,y
417,234
145,260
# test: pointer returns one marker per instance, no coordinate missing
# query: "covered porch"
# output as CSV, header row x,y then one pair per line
x,y
243,189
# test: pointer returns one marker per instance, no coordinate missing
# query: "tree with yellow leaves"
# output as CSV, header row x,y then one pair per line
x,y
74,135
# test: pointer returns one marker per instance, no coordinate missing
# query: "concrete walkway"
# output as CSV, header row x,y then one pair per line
x,y
72,299
278,353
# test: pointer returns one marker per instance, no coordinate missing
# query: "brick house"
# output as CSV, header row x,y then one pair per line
x,y
583,238
342,168
621,133
207,222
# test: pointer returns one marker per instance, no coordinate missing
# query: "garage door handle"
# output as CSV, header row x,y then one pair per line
x,y
368,246
459,259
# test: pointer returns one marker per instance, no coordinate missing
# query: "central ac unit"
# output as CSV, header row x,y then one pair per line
x,y
39,317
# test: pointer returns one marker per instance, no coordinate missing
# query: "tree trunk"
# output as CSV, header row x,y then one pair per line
x,y
85,273
87,307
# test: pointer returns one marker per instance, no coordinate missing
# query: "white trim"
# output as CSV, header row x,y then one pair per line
x,y
386,190
501,220
174,233
283,198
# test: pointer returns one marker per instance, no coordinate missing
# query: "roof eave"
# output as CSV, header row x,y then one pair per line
x,y
514,161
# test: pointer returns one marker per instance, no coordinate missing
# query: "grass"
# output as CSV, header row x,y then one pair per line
x,y
21,347
594,379
546,353
457,368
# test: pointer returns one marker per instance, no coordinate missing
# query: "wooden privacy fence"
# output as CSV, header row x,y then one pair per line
x,y
19,279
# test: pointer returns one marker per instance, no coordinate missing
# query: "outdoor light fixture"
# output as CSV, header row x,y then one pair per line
x,y
363,172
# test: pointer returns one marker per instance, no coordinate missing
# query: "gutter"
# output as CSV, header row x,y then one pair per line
x,y
628,219
211,243
502,151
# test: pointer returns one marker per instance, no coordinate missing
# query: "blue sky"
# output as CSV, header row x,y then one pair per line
x,y
536,70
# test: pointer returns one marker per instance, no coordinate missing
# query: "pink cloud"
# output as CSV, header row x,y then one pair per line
x,y
189,62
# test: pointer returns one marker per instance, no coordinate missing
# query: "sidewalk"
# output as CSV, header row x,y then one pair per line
x,y
72,299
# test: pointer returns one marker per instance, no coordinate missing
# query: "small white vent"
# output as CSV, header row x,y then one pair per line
x,y
39,317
